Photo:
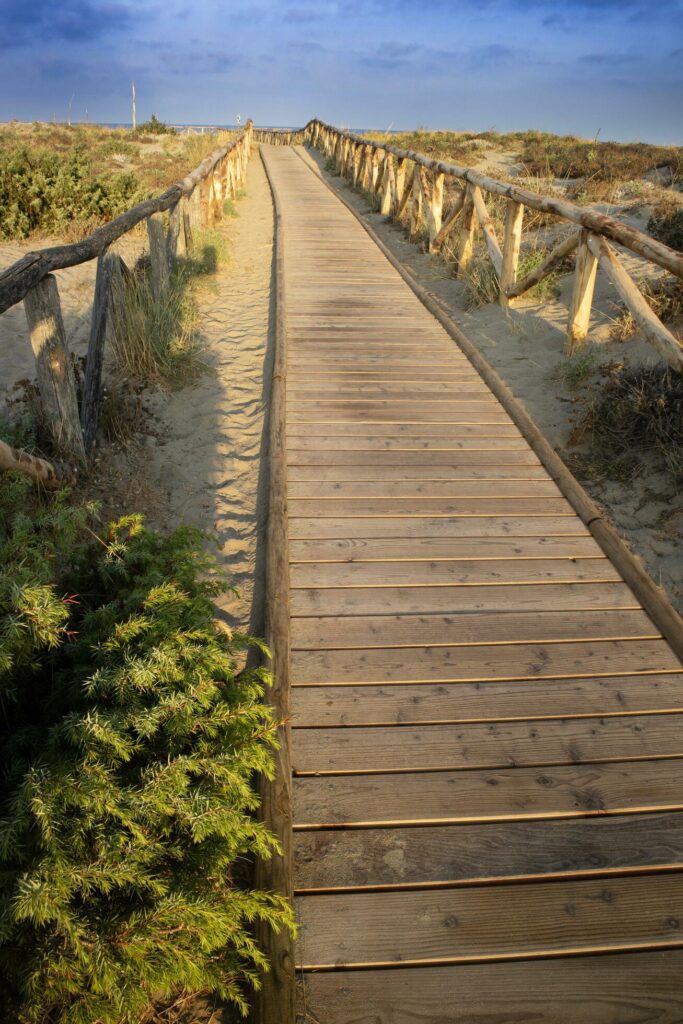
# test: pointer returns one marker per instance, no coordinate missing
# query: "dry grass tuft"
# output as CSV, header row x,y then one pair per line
x,y
637,412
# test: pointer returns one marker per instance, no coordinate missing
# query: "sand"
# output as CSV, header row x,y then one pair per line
x,y
198,458
525,346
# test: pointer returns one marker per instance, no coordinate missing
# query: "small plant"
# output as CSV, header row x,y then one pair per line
x,y
331,166
548,287
481,283
129,738
574,370
372,199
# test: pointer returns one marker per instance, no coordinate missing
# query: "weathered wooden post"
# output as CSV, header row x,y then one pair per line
x,y
464,239
415,204
173,235
109,284
357,159
400,187
434,205
511,246
54,370
387,186
582,294
158,256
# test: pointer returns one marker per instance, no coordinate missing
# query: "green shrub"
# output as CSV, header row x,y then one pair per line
x,y
155,127
46,191
129,739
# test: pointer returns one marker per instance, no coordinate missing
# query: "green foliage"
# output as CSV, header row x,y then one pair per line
x,y
42,190
129,735
155,127
574,370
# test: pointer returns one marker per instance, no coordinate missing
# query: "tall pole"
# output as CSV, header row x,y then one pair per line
x,y
135,119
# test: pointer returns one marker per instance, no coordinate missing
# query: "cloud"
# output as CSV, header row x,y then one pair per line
x,y
30,22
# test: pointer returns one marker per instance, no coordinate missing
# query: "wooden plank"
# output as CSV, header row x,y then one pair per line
x,y
421,548
480,526
333,632
482,702
467,854
449,573
612,989
400,460
450,664
338,507
423,600
561,741
385,489
504,794
323,441
461,925
436,431
421,472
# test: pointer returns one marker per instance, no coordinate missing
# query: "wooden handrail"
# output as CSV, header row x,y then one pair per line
x,y
381,168
18,279
598,223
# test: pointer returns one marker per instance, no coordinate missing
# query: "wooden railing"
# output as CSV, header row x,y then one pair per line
x,y
194,202
410,186
279,136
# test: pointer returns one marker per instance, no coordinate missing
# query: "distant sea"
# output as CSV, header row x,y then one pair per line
x,y
233,127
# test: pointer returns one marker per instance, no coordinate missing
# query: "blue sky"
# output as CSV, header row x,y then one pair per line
x,y
579,66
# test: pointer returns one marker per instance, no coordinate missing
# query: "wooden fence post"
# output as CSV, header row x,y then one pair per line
x,y
464,239
582,294
513,239
107,265
400,187
416,204
53,365
173,236
387,186
157,256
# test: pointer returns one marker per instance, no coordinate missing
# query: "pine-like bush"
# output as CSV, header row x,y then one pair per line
x,y
129,738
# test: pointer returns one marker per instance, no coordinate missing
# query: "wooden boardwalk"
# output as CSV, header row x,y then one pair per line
x,y
487,739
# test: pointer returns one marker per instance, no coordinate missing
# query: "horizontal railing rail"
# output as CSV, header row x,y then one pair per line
x,y
411,185
195,201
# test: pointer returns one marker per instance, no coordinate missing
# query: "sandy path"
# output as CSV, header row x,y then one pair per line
x,y
207,455
526,346
201,461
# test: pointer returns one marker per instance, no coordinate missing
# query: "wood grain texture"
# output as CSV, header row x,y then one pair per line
x,y
562,741
452,855
495,701
461,925
505,794
642,988
384,631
